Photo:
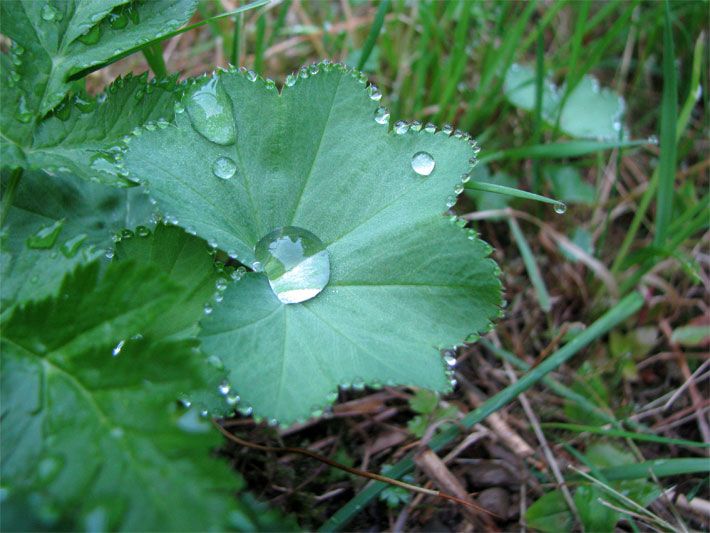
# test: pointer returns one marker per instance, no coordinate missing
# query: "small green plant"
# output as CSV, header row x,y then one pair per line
x,y
312,253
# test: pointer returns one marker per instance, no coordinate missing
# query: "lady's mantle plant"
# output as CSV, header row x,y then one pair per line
x,y
341,269
364,281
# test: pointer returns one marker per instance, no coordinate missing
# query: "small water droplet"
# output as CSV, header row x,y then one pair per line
x,y
118,21
71,247
450,359
430,128
458,189
374,93
451,201
224,168
447,129
247,410
48,468
652,140
382,115
23,114
215,361
290,80
296,263
416,126
332,396
401,127
233,399
251,75
560,208
46,236
117,349
465,178
224,387
48,12
358,384
142,231
423,163
210,111
208,309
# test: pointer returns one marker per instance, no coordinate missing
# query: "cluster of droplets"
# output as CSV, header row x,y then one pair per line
x,y
328,66
46,237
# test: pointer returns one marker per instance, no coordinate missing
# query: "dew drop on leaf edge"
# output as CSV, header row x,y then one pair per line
x,y
295,262
423,163
224,168
210,111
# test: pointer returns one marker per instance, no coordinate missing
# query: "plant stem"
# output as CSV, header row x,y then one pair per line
x,y
9,195
154,56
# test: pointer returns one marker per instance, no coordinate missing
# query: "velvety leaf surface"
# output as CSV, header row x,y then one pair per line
x,y
404,280
90,427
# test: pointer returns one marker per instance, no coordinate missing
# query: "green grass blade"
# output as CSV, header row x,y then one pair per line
x,y
80,74
543,297
154,56
236,52
558,150
659,468
259,44
374,33
617,314
517,193
579,428
681,125
669,114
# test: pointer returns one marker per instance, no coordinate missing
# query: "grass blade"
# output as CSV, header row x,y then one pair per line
x,y
558,150
374,33
659,468
543,297
681,124
669,113
646,437
517,193
154,56
617,314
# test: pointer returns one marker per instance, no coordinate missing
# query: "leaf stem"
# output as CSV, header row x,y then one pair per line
x,y
9,195
348,469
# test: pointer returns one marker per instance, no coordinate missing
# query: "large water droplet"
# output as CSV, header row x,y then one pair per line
x,y
296,263
423,163
45,237
210,111
224,168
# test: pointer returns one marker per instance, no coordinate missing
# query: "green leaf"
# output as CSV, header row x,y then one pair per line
x,y
61,37
84,215
519,89
568,185
595,516
404,281
82,136
550,514
186,260
588,111
84,140
691,335
90,426
424,402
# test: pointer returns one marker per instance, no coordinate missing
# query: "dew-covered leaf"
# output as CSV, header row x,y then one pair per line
x,y
91,430
81,137
57,38
185,259
56,223
590,111
403,282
